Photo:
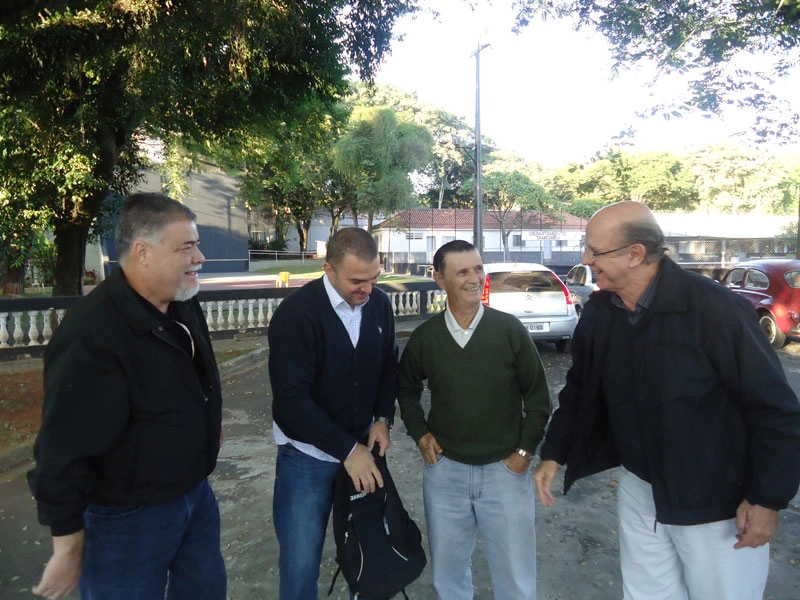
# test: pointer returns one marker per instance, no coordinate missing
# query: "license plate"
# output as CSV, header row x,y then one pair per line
x,y
536,327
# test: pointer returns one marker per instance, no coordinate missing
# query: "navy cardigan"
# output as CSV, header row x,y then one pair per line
x,y
324,391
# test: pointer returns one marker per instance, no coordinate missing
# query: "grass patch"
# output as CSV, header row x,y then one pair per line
x,y
311,270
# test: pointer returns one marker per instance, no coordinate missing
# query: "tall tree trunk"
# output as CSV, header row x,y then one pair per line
x,y
355,217
370,217
71,228
298,225
334,222
306,227
13,278
70,239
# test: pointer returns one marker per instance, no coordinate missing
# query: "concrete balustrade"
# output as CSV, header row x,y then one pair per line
x,y
30,323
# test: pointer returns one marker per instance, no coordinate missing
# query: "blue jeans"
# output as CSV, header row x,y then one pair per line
x,y
301,506
463,500
131,551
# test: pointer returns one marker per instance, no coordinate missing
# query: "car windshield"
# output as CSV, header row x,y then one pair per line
x,y
531,281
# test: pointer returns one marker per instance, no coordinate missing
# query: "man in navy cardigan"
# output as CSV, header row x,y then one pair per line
x,y
333,370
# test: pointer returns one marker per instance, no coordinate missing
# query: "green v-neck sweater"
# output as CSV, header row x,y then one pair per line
x,y
487,399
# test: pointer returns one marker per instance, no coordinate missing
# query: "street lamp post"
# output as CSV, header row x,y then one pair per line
x,y
477,228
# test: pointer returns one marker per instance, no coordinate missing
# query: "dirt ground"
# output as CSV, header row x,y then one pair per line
x,y
20,407
21,395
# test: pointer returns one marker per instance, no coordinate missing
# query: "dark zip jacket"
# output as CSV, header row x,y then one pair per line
x,y
126,419
719,420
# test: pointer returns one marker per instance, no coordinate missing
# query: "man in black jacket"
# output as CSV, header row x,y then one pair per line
x,y
131,424
673,379
333,371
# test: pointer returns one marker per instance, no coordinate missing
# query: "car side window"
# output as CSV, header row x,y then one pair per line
x,y
756,280
792,278
735,277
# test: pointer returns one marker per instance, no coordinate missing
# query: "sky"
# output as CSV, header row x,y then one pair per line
x,y
548,93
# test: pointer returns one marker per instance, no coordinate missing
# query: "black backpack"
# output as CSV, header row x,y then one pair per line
x,y
378,546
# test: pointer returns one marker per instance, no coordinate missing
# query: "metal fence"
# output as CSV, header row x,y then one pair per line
x,y
725,252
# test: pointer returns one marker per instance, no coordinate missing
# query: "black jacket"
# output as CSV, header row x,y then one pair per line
x,y
719,420
126,420
324,391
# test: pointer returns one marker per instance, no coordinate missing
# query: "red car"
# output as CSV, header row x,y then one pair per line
x,y
773,287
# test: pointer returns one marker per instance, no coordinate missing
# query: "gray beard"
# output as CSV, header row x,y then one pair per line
x,y
185,292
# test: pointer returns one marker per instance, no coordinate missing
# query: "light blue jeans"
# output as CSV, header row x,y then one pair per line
x,y
463,500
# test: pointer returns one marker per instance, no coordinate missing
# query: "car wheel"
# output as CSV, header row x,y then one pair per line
x,y
563,346
775,336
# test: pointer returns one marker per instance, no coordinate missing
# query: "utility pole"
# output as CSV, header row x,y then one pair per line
x,y
797,240
477,229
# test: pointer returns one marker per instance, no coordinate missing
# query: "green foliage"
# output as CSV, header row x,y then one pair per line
x,y
376,155
661,180
452,165
82,84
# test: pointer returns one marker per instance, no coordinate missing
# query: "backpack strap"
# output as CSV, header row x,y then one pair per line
x,y
333,581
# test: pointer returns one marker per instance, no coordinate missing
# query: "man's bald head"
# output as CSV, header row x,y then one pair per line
x,y
631,223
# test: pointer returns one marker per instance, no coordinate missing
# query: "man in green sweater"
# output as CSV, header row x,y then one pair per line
x,y
489,408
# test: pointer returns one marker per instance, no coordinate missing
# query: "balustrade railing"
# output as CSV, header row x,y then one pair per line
x,y
29,323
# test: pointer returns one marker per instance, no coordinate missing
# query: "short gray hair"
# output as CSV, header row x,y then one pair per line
x,y
144,216
648,234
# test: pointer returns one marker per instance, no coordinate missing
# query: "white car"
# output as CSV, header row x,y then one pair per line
x,y
536,296
580,283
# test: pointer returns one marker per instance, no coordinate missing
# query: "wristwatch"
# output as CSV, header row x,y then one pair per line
x,y
384,420
524,454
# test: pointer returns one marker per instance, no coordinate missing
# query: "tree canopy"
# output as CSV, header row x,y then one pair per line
x,y
377,154
83,84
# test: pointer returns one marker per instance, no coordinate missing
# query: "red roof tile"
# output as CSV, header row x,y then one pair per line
x,y
421,218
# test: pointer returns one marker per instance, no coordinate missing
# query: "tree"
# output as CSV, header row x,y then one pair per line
x,y
508,193
724,176
377,154
451,166
92,81
711,41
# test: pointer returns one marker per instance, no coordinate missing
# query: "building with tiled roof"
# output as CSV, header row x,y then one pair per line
x,y
411,237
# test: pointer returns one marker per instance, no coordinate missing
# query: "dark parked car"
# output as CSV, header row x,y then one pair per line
x,y
773,287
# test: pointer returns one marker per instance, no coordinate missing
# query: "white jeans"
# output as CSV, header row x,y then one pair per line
x,y
674,562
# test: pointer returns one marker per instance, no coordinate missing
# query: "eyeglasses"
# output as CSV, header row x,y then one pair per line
x,y
594,255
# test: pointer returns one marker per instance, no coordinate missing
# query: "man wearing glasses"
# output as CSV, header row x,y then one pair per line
x,y
673,380
131,424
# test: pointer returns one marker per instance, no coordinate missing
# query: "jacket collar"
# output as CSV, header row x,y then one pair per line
x,y
130,307
672,293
